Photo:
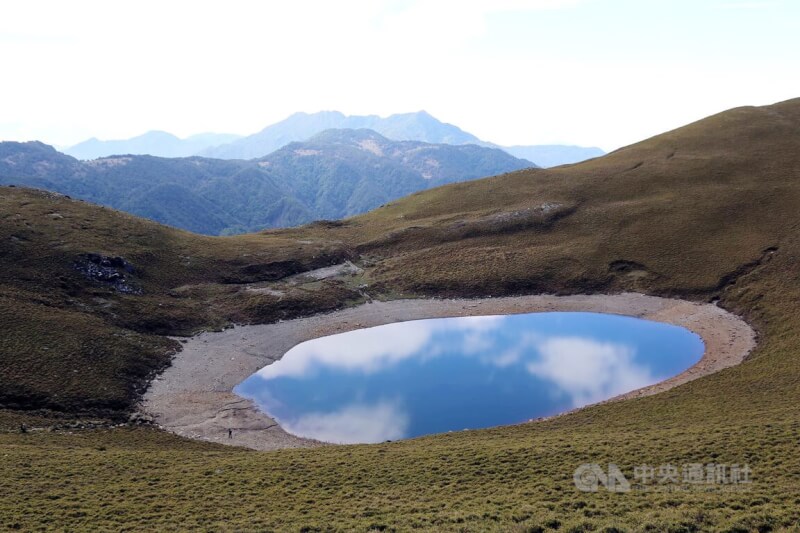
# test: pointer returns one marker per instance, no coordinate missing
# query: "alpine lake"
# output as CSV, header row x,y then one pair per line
x,y
409,379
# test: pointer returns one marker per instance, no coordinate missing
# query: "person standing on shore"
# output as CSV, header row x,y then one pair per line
x,y
230,433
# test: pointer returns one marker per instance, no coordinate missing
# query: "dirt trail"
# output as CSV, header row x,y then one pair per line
x,y
193,397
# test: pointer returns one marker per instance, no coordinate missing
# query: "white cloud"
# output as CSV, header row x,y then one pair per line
x,y
506,359
364,350
369,350
475,342
353,424
587,370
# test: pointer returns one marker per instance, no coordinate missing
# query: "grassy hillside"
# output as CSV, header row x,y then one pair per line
x,y
709,211
77,342
679,213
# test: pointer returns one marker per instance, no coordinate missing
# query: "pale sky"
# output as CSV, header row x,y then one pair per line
x,y
591,72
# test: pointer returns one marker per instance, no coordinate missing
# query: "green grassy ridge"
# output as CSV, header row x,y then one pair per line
x,y
692,213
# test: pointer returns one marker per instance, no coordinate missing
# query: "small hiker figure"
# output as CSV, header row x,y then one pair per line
x,y
230,433
23,428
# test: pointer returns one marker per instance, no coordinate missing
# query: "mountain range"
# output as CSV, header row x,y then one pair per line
x,y
157,143
335,174
419,126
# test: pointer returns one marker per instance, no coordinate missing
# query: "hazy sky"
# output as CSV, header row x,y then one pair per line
x,y
591,72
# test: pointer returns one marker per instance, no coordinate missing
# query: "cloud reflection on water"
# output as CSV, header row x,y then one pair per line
x,y
411,378
373,349
352,424
589,370
583,369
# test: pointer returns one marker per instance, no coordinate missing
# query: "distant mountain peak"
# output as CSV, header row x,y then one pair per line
x,y
302,126
157,133
154,142
301,119
415,126
424,114
26,147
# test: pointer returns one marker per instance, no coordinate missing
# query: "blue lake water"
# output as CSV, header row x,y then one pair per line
x,y
431,376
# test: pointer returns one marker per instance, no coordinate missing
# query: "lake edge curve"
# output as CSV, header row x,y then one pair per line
x,y
193,397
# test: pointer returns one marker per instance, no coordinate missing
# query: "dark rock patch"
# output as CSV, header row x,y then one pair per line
x,y
623,267
113,271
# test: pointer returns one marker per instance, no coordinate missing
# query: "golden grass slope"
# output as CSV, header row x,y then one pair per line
x,y
707,211
673,214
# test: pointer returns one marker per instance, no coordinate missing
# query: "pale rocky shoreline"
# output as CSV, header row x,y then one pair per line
x,y
193,397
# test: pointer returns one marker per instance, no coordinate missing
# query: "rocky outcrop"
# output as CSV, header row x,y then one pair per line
x,y
113,271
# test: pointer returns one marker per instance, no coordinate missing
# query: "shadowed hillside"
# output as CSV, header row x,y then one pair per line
x,y
707,212
85,290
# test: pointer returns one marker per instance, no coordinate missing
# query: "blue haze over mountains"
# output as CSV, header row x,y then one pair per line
x,y
308,167
419,126
158,143
335,174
